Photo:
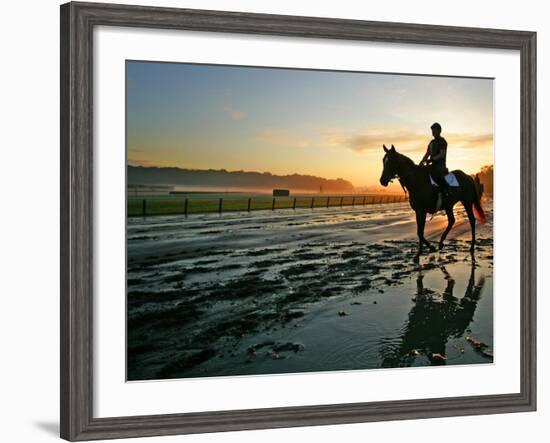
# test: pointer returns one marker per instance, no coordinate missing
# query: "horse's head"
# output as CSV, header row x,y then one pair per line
x,y
390,162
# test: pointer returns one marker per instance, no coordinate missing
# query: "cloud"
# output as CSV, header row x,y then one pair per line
x,y
471,140
374,139
403,140
281,138
136,150
234,113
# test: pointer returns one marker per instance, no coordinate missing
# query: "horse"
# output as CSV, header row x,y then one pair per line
x,y
423,200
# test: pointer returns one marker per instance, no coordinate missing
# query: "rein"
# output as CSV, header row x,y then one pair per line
x,y
401,177
404,188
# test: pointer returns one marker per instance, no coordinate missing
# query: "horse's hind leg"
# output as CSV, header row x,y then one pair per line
x,y
450,223
472,219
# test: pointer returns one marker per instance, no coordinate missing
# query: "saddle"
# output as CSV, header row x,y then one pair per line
x,y
452,182
449,178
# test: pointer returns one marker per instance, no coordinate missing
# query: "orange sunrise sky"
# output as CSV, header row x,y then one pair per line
x,y
285,121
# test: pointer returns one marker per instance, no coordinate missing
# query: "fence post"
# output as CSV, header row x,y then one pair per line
x,y
364,199
312,200
220,206
353,201
144,206
273,204
328,202
249,201
341,201
185,206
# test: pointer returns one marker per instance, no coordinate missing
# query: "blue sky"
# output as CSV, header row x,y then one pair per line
x,y
285,121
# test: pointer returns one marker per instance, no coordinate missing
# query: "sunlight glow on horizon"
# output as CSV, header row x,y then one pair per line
x,y
286,121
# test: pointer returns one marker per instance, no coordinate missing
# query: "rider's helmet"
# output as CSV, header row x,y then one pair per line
x,y
436,126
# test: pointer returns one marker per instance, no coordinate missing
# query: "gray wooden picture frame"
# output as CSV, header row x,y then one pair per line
x,y
77,23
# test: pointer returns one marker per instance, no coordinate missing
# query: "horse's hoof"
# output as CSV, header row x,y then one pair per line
x,y
440,246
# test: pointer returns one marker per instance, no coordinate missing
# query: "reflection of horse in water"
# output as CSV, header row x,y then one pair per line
x,y
423,199
433,320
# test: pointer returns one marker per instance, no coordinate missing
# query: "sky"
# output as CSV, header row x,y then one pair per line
x,y
330,124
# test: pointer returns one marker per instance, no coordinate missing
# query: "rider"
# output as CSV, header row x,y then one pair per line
x,y
436,159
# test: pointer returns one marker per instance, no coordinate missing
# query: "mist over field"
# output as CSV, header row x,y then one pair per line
x,y
216,179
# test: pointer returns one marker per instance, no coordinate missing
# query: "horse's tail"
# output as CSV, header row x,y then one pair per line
x,y
468,186
479,213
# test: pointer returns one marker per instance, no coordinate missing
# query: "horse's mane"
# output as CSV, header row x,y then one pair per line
x,y
406,160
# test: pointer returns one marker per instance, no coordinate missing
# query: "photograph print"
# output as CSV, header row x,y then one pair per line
x,y
284,220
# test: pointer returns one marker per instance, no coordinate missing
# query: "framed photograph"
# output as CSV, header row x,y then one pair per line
x,y
272,221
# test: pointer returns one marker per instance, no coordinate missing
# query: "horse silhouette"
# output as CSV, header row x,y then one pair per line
x,y
423,199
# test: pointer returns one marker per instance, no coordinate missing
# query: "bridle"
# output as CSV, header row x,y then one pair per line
x,y
400,178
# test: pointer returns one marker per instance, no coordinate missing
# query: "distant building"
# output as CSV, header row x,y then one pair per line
x,y
281,193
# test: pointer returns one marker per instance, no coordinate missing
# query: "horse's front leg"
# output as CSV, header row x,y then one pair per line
x,y
421,232
420,224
